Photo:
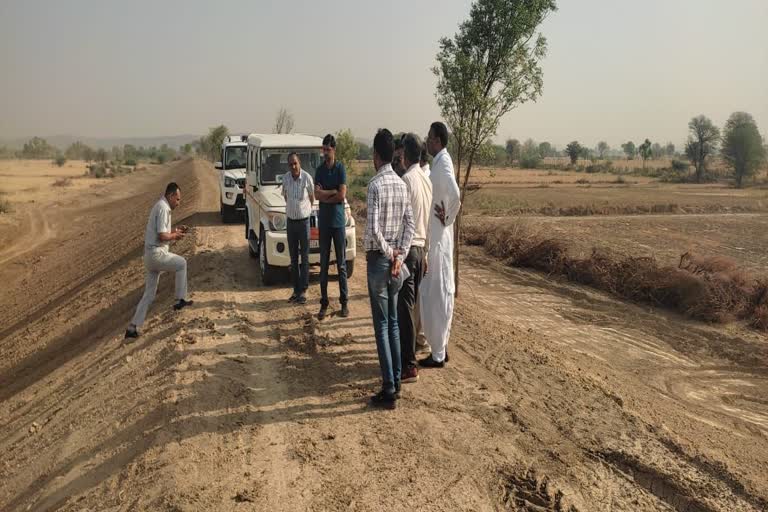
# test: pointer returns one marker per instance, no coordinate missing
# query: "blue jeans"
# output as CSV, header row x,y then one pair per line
x,y
298,245
383,294
338,236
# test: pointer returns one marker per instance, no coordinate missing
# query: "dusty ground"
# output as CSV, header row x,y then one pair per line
x,y
555,396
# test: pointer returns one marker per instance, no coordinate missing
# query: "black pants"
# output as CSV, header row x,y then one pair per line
x,y
338,237
298,248
406,307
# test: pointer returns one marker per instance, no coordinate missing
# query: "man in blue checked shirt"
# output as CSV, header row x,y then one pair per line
x,y
387,241
299,194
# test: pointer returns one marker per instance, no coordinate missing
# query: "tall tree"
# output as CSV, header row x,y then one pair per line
x,y
489,67
545,149
645,151
669,149
743,147
629,149
703,138
657,151
283,121
346,148
513,150
573,150
602,149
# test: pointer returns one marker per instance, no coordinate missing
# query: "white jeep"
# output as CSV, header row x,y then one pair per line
x,y
232,177
265,220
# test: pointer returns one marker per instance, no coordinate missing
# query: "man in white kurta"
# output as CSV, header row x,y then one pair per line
x,y
438,288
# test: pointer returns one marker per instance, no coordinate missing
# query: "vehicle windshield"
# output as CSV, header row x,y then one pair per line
x,y
274,163
234,157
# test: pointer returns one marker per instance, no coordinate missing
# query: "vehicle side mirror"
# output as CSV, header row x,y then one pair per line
x,y
218,165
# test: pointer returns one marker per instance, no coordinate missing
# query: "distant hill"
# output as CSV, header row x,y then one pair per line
x,y
62,141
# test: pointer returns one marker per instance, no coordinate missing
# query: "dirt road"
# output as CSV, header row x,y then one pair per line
x,y
555,398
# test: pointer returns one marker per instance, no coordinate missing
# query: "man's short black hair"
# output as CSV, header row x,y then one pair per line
x,y
399,141
384,145
412,147
171,188
329,140
440,131
293,153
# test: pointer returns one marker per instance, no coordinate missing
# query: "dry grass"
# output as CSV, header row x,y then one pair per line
x,y
62,182
712,289
5,206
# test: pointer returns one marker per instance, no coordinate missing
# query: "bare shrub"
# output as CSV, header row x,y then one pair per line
x,y
62,182
712,289
5,206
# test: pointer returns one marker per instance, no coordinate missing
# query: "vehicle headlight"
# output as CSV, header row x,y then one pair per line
x,y
229,182
277,221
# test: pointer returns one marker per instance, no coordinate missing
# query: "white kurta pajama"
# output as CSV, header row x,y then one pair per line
x,y
438,288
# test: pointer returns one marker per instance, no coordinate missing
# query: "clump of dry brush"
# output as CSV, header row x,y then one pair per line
x,y
711,289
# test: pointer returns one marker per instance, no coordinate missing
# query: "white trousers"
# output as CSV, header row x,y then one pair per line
x,y
436,322
155,262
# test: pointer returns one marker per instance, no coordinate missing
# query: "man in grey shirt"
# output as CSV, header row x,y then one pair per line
x,y
299,194
157,257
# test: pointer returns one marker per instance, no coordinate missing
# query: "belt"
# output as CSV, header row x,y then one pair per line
x,y
299,220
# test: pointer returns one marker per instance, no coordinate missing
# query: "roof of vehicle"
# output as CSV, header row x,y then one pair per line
x,y
235,140
284,140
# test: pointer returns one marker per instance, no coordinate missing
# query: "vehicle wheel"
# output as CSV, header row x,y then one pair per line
x,y
269,274
251,252
350,268
228,213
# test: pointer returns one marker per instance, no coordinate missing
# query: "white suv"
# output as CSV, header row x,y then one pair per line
x,y
232,177
265,221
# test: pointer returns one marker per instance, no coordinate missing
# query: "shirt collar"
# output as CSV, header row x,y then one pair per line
x,y
414,166
384,168
440,154
290,174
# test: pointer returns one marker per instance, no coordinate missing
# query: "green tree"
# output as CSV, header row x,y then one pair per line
x,y
645,151
489,67
602,149
629,149
657,151
77,151
669,149
545,150
209,147
573,150
364,152
512,149
346,148
743,150
703,138
38,148
529,155
60,160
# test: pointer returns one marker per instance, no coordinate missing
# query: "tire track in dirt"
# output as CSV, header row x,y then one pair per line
x,y
620,336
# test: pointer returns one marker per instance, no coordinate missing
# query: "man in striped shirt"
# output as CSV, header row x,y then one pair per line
x,y
387,241
299,194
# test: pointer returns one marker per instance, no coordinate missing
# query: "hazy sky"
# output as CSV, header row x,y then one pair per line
x,y
616,69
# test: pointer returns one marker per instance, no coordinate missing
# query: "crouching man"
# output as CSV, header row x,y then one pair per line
x,y
157,257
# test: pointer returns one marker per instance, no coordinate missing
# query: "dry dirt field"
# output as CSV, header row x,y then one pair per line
x,y
557,398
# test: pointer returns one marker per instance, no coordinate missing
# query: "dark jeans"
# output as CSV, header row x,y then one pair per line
x,y
338,236
298,245
382,292
406,306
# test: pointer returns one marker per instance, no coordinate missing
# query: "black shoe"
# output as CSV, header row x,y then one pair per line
x,y
344,311
131,334
293,298
428,362
321,314
383,400
446,355
182,304
301,299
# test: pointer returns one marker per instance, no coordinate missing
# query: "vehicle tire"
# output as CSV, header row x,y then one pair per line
x,y
269,274
350,268
228,214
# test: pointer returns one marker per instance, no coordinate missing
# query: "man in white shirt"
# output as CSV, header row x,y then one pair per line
x,y
438,287
420,195
299,194
157,258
